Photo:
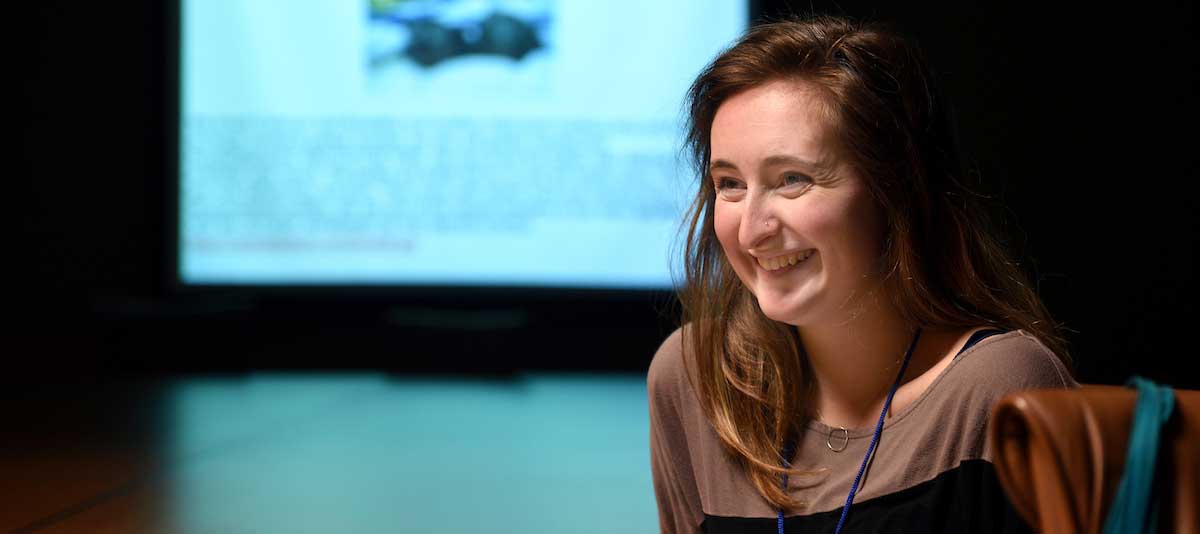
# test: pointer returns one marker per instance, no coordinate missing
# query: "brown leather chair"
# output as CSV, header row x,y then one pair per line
x,y
1060,455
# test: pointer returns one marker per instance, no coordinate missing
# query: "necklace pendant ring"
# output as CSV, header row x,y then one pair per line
x,y
845,439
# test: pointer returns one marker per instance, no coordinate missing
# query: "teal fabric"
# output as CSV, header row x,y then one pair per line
x,y
1134,509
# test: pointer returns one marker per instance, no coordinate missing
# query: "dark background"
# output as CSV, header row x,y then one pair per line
x,y
1078,119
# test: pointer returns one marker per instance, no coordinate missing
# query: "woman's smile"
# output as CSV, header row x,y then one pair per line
x,y
784,263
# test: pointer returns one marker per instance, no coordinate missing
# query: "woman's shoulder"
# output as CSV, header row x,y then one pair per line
x,y
667,375
1012,361
952,415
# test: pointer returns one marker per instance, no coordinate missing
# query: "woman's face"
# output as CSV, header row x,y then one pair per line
x,y
798,226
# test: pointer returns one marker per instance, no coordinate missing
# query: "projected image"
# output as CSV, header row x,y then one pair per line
x,y
438,142
451,51
430,32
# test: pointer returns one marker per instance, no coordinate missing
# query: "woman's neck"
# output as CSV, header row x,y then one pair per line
x,y
854,360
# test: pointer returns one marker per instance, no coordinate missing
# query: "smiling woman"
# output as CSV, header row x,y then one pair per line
x,y
770,210
838,276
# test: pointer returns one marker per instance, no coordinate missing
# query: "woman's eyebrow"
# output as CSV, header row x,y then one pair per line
x,y
783,159
771,161
722,164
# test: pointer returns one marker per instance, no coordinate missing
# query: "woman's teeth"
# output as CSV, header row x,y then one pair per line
x,y
779,262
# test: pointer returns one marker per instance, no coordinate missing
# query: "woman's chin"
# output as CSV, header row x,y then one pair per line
x,y
779,311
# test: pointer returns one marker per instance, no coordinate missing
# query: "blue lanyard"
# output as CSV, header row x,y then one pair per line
x,y
874,440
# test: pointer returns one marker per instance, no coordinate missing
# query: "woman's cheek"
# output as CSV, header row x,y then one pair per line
x,y
848,230
726,220
720,225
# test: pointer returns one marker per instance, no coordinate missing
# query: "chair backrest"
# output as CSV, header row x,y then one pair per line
x,y
1060,455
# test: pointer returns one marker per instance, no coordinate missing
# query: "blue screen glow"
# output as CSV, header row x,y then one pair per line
x,y
438,142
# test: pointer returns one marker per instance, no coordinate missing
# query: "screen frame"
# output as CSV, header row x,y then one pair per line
x,y
485,295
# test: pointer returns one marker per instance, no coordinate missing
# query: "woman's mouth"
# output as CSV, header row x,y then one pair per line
x,y
785,262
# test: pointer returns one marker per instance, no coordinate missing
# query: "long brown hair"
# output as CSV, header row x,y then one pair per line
x,y
944,262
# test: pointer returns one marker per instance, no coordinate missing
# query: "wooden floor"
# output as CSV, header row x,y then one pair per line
x,y
308,453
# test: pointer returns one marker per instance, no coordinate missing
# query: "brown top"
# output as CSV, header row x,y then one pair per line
x,y
946,425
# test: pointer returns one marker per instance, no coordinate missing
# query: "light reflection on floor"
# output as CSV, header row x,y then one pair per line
x,y
367,453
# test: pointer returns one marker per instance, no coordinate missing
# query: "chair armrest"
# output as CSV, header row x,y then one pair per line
x,y
1060,455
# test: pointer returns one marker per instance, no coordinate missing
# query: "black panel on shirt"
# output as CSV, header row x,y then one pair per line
x,y
968,498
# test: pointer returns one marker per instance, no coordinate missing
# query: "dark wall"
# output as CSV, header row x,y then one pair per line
x,y
89,167
1077,120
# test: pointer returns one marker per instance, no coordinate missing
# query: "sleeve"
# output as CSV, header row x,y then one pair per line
x,y
679,509
1042,368
1020,363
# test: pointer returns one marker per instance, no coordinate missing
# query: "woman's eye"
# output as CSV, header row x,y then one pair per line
x,y
726,183
729,189
794,179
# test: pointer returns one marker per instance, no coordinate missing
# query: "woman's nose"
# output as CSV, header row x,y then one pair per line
x,y
759,224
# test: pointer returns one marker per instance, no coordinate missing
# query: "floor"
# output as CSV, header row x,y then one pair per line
x,y
337,453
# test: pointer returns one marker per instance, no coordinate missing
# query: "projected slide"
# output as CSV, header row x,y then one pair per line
x,y
437,142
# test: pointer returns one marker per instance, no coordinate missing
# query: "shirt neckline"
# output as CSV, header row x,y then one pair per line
x,y
866,432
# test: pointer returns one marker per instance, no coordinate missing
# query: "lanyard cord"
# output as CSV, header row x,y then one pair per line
x,y
874,440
